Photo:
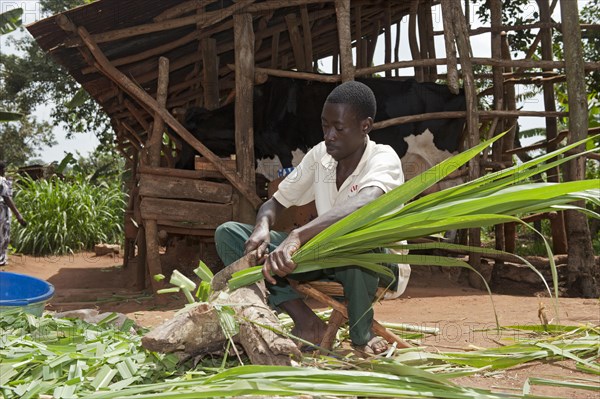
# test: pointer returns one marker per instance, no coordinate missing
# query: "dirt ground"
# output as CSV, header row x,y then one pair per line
x,y
460,313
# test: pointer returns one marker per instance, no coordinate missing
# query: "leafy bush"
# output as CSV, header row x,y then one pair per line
x,y
67,215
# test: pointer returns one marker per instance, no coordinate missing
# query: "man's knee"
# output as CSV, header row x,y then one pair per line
x,y
224,232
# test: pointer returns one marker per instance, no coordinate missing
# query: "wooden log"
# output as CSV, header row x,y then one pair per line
x,y
198,330
296,75
186,174
155,141
449,39
306,33
244,103
144,55
342,11
412,38
210,73
123,81
181,188
397,47
201,214
275,50
430,39
203,20
182,9
464,49
105,249
360,56
557,225
581,254
387,58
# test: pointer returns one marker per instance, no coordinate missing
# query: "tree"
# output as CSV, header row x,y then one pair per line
x,y
29,79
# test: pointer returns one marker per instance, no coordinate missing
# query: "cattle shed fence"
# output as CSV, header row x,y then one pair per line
x,y
146,61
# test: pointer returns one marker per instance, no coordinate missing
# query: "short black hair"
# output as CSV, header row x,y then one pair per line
x,y
357,94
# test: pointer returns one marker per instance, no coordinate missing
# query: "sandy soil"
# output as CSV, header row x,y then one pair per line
x,y
463,315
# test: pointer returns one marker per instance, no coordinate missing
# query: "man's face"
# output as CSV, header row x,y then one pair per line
x,y
343,132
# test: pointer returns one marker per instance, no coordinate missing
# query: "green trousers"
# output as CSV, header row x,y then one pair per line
x,y
359,284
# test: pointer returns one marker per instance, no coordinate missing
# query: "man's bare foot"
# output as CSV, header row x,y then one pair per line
x,y
376,345
312,333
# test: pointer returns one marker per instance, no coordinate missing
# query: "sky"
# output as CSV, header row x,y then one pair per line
x,y
85,143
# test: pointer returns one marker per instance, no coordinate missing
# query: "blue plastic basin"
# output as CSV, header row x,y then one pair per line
x,y
30,294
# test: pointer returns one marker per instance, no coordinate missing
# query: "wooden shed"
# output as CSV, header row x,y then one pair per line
x,y
145,60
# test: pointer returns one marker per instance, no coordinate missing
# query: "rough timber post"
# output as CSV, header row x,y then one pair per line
x,y
464,49
580,251
244,93
342,11
559,238
154,147
210,74
498,123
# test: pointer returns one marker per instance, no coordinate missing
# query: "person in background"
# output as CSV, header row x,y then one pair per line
x,y
6,206
343,173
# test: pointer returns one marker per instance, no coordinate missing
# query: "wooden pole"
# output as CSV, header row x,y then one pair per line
x,y
581,274
450,39
498,124
412,38
306,33
244,97
296,41
154,150
464,49
388,38
210,73
360,50
559,237
342,10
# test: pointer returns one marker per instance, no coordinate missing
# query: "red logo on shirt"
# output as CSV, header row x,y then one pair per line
x,y
354,188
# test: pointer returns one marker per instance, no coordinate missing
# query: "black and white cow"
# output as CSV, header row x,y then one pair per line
x,y
287,122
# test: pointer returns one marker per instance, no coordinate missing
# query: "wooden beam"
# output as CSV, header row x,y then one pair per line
x,y
296,40
204,215
243,34
184,188
155,140
298,75
342,11
181,9
557,225
581,274
306,33
210,75
450,41
130,59
202,20
118,77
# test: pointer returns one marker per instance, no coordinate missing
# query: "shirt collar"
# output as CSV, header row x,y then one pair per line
x,y
329,163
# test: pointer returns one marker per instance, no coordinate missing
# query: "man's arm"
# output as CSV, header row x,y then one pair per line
x,y
280,261
265,218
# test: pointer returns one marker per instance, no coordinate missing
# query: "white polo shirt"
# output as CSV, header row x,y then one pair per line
x,y
315,177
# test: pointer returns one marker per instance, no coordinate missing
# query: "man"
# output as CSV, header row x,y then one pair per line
x,y
341,174
6,206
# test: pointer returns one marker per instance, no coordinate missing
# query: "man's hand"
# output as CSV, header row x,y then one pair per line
x,y
259,240
21,221
279,262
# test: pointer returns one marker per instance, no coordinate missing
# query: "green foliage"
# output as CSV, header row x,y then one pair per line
x,y
30,79
21,141
489,200
68,215
71,358
10,20
62,357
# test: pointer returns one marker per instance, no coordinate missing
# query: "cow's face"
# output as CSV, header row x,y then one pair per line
x,y
343,131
